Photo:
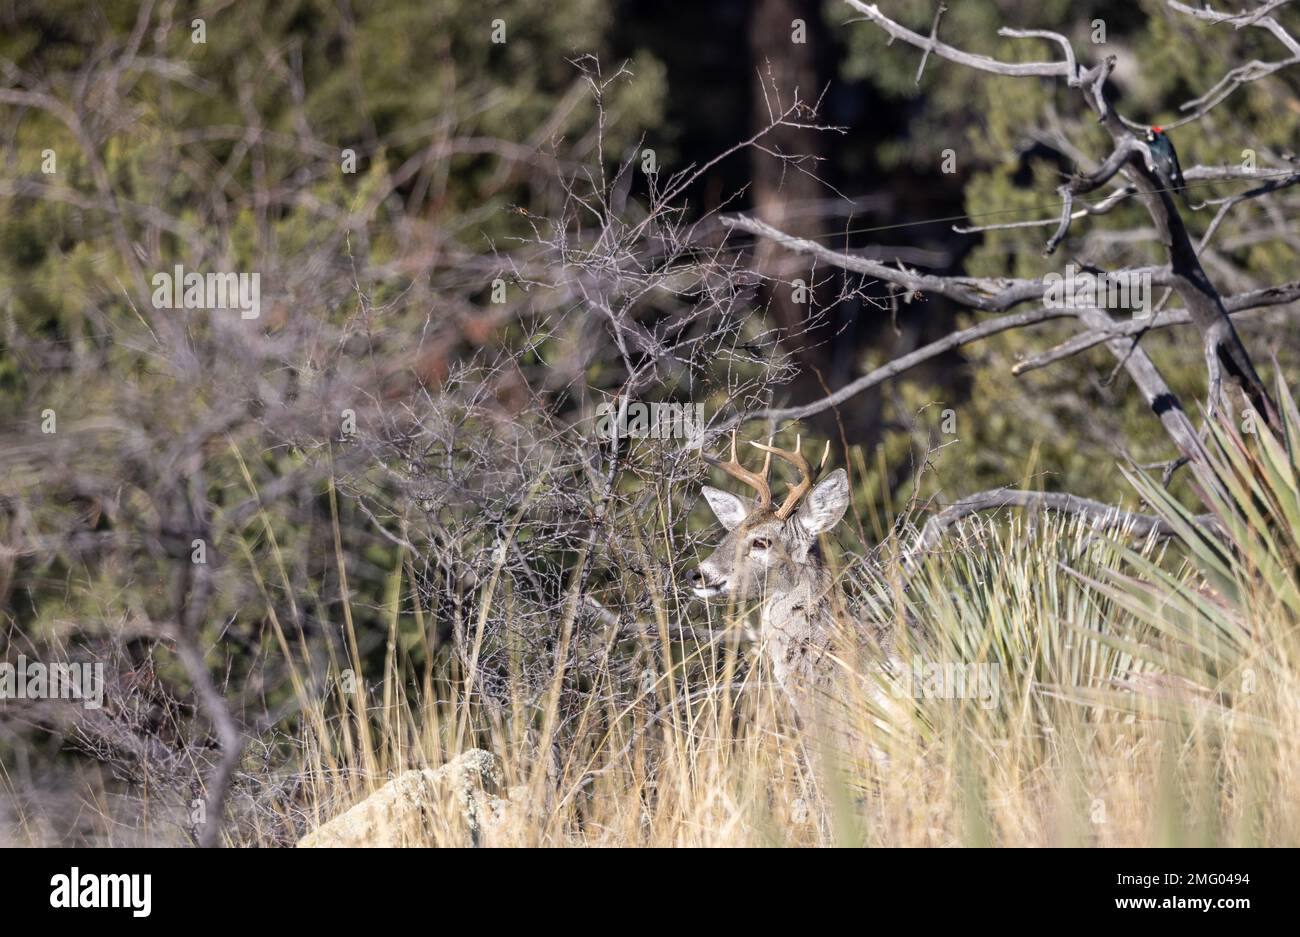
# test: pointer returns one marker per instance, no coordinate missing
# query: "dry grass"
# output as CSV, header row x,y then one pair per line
x,y
1069,753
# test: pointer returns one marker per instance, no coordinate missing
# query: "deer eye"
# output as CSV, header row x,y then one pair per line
x,y
760,543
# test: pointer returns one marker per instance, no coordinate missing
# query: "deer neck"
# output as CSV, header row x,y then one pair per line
x,y
797,606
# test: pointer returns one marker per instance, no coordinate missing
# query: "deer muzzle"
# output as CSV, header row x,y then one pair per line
x,y
705,583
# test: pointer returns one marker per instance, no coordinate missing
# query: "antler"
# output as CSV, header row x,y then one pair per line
x,y
795,458
756,481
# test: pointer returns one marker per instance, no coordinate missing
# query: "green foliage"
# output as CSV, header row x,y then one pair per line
x,y
227,154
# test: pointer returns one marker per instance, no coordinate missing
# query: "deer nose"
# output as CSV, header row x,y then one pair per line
x,y
694,577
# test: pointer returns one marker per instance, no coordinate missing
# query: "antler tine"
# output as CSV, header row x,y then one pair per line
x,y
795,458
756,481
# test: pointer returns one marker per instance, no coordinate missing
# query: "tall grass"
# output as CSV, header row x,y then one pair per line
x,y
1145,695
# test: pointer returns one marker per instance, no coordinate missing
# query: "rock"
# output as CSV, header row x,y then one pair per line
x,y
452,805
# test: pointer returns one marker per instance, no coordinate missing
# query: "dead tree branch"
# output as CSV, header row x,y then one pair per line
x,y
1104,517
1225,355
934,34
1242,74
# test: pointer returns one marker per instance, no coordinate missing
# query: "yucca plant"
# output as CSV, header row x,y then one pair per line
x,y
1224,616
1214,642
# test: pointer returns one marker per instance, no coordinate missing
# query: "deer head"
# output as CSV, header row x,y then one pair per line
x,y
768,552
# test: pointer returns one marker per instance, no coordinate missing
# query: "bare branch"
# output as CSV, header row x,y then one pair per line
x,y
1089,183
982,62
903,363
1050,36
934,34
989,294
1104,516
1162,401
1242,74
1240,303
1118,197
1224,352
1153,387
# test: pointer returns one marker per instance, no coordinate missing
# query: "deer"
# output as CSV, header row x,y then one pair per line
x,y
772,555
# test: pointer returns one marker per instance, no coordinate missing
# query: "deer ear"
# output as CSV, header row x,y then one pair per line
x,y
728,508
825,504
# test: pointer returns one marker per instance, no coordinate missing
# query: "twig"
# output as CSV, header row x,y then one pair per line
x,y
934,34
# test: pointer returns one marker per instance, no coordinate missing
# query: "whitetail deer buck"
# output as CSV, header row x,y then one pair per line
x,y
772,556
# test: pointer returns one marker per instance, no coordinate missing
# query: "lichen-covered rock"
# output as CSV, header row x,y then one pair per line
x,y
452,805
